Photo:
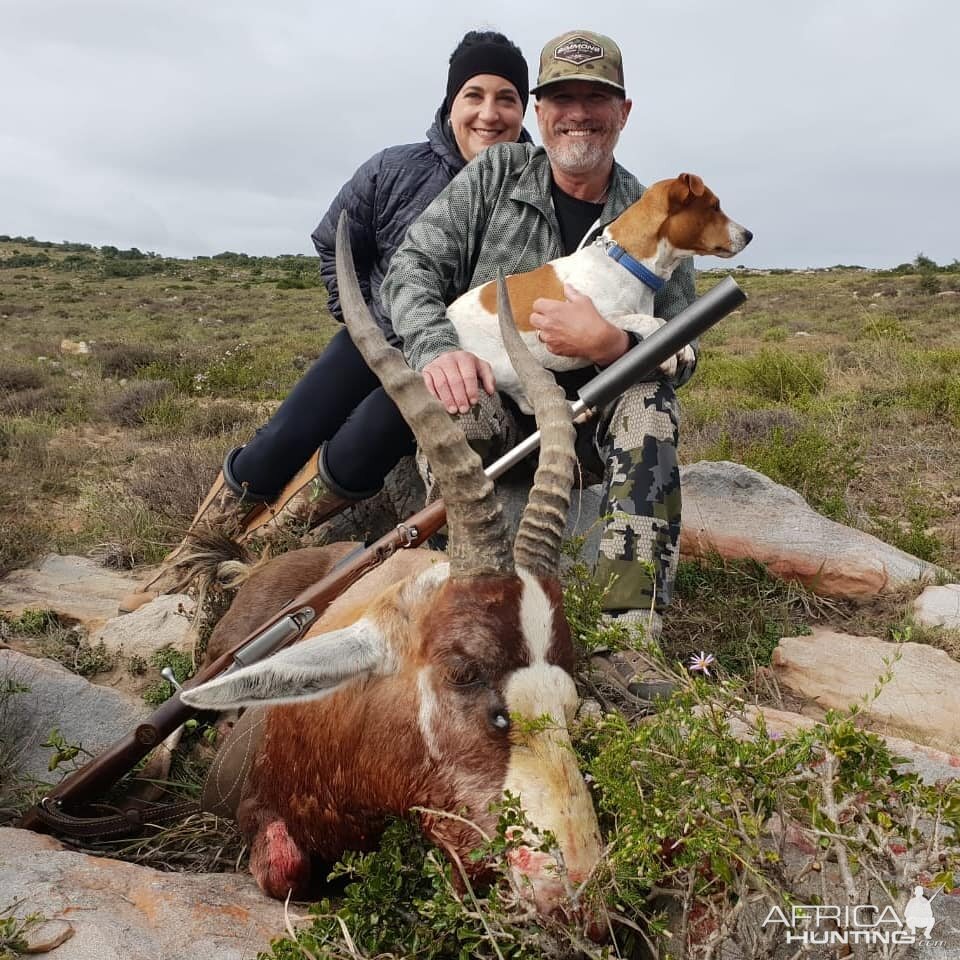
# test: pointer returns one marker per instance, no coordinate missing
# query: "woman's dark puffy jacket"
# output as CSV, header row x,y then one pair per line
x,y
382,199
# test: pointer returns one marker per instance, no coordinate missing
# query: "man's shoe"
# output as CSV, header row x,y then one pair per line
x,y
641,674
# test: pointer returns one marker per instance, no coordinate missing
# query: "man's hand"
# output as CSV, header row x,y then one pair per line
x,y
454,379
574,328
682,358
642,324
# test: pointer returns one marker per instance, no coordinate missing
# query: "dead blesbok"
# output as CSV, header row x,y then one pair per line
x,y
407,693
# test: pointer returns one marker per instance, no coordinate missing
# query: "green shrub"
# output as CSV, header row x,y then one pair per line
x,y
883,327
695,809
769,375
180,663
783,377
401,901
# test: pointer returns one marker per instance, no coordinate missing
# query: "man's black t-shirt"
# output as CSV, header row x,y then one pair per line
x,y
575,216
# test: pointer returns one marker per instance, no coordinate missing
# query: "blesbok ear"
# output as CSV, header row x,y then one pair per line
x,y
308,670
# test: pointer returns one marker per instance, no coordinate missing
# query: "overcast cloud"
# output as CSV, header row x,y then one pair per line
x,y
186,127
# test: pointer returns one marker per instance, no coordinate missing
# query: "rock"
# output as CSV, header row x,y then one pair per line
x,y
76,588
48,936
939,607
738,513
120,910
74,348
163,622
835,670
134,601
929,763
85,713
945,934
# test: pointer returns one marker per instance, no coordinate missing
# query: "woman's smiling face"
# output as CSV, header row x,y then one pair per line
x,y
486,110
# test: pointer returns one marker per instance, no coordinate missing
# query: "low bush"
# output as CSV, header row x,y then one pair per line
x,y
22,540
14,377
52,399
219,418
125,359
130,405
171,484
776,375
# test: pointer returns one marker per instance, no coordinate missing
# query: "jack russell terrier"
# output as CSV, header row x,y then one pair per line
x,y
620,272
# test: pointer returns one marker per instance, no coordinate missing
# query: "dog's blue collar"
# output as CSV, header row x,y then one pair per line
x,y
644,275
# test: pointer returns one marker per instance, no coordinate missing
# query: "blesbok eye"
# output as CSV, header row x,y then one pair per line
x,y
465,673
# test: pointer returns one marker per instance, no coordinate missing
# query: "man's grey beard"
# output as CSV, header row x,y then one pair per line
x,y
572,156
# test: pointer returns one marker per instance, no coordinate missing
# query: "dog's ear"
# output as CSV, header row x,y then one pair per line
x,y
678,194
693,182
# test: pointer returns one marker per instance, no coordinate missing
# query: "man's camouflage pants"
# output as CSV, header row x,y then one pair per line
x,y
640,510
636,442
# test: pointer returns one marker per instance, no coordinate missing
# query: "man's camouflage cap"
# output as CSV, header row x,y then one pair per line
x,y
581,55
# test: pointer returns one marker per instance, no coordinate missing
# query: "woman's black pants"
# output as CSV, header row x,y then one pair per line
x,y
338,402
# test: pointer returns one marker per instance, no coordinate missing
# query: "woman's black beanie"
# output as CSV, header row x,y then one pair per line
x,y
487,52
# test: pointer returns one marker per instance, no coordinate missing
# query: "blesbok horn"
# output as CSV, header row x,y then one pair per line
x,y
479,537
537,546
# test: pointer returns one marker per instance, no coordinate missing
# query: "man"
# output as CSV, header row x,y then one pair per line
x,y
516,207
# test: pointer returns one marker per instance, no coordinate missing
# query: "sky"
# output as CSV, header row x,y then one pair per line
x,y
189,127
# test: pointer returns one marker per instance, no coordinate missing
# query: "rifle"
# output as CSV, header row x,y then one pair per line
x,y
288,624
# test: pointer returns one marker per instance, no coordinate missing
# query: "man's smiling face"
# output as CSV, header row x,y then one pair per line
x,y
580,123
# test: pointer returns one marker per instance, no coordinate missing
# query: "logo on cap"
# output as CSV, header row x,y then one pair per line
x,y
578,50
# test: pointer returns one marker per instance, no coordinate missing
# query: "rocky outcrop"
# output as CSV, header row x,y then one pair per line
x,y
77,589
162,622
84,713
738,513
835,670
109,910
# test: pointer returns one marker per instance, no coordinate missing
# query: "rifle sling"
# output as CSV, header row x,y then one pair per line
x,y
119,823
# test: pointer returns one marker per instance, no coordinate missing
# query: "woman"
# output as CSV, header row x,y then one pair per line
x,y
337,435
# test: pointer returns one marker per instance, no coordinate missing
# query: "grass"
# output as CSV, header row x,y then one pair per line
x,y
57,641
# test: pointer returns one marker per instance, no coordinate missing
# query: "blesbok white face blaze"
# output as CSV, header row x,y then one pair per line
x,y
543,769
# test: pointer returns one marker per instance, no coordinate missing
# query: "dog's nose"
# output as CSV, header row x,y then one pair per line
x,y
747,236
